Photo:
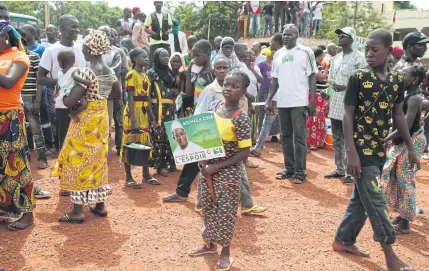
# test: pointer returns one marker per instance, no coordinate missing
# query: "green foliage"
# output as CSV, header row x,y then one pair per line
x,y
403,5
91,14
359,15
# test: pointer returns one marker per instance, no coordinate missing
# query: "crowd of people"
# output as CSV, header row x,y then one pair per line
x,y
61,97
306,15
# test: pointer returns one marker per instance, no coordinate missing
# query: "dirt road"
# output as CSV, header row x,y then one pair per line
x,y
142,233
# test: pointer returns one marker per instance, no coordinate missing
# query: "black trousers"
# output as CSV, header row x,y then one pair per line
x,y
279,11
187,177
63,122
153,48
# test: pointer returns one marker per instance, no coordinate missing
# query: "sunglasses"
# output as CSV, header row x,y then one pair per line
x,y
343,36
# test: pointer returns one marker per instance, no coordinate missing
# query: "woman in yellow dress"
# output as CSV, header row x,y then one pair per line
x,y
138,112
80,167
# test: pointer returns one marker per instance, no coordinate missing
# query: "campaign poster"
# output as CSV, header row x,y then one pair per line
x,y
194,139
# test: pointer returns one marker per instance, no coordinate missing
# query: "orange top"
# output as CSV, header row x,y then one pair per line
x,y
11,98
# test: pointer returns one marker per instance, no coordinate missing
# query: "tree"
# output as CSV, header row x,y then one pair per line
x,y
91,14
403,5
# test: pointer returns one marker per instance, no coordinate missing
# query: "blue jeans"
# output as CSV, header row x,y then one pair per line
x,y
304,24
316,26
427,142
265,131
367,200
254,17
268,25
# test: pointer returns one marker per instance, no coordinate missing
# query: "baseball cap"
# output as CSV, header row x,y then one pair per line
x,y
348,31
414,38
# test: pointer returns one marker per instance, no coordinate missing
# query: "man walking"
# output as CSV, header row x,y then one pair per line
x,y
158,25
342,67
293,75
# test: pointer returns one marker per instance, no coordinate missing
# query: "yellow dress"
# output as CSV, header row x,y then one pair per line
x,y
82,162
141,84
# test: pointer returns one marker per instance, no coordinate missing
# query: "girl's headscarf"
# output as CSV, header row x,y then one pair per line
x,y
182,61
234,62
163,71
6,28
97,42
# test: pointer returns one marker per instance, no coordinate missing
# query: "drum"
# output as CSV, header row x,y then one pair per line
x,y
136,154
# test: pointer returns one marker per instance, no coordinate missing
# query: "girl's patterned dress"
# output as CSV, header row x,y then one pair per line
x,y
141,85
163,109
220,217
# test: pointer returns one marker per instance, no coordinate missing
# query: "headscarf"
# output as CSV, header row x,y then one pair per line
x,y
266,52
175,27
97,42
163,71
182,60
397,52
135,10
234,62
5,28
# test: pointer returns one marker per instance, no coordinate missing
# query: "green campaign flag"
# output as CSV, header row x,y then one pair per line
x,y
194,138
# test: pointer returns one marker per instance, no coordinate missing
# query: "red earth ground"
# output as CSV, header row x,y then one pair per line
x,y
142,233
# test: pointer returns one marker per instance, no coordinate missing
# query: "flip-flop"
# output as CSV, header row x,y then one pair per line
x,y
95,212
173,198
199,252
255,209
65,193
399,231
12,228
42,166
133,184
152,181
220,262
66,218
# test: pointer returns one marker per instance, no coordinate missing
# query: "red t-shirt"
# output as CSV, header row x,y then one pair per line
x,y
254,7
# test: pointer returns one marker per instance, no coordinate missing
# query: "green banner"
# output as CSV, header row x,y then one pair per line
x,y
194,139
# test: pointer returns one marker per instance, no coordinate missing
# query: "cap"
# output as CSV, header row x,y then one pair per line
x,y
266,52
397,52
348,31
176,125
414,38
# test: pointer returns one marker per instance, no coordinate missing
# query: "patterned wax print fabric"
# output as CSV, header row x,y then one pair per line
x,y
316,130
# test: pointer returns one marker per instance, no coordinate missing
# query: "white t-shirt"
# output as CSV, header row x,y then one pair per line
x,y
50,63
318,12
292,68
192,147
253,87
182,40
66,81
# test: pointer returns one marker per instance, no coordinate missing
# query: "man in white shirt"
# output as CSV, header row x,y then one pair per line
x,y
342,67
184,145
181,46
69,27
293,75
317,17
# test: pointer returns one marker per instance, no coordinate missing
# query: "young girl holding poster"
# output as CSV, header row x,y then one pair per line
x,y
138,112
220,177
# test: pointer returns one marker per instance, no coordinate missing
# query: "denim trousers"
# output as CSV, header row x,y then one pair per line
x,y
316,26
427,142
294,141
45,120
291,16
33,121
367,200
245,196
339,146
268,25
265,131
254,19
304,24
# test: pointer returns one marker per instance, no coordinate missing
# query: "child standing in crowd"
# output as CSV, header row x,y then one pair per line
x,y
220,212
399,176
138,112
67,80
373,96
162,83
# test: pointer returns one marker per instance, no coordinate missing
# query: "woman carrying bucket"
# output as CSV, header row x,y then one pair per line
x,y
138,112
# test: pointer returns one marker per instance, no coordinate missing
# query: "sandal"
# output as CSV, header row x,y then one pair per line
x,y
42,164
41,194
255,153
199,251
223,262
334,175
174,198
284,175
299,178
65,193
133,184
255,209
152,181
162,172
94,210
68,219
399,231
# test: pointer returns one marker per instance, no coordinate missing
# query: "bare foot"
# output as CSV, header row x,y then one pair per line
x,y
24,222
338,247
396,264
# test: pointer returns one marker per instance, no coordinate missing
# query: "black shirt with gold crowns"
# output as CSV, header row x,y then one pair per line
x,y
374,100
